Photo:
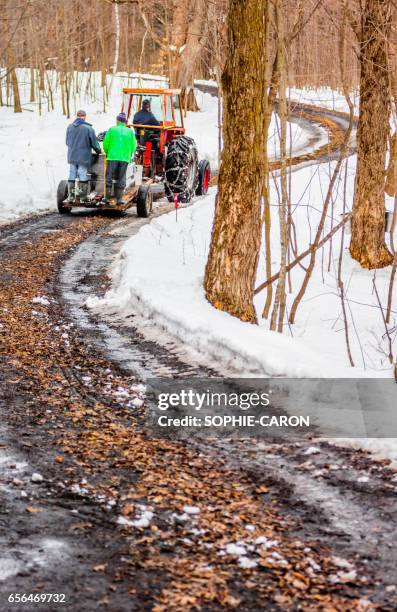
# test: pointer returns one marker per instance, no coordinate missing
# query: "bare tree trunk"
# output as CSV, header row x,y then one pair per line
x,y
14,80
142,53
345,87
41,78
220,121
232,264
394,268
103,59
62,83
266,187
67,95
368,245
184,45
280,298
32,84
116,44
189,25
15,91
8,87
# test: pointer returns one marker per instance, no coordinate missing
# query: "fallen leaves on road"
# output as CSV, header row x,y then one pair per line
x,y
149,482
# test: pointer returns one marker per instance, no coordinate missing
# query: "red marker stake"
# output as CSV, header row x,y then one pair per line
x,y
176,204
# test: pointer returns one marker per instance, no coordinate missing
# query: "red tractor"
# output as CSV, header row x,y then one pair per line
x,y
164,155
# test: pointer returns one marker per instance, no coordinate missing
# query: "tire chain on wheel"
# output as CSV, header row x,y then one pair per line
x,y
179,154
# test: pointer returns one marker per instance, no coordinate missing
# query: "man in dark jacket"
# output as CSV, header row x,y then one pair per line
x,y
144,117
80,139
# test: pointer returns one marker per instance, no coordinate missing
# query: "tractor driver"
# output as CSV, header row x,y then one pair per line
x,y
144,117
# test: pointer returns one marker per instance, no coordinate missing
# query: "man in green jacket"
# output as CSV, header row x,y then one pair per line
x,y
119,146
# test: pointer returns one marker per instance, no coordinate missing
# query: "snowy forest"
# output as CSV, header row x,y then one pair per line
x,y
234,227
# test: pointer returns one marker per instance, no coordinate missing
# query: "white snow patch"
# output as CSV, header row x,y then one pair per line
x,y
247,563
8,567
342,563
47,550
142,522
235,549
239,550
315,566
312,450
41,299
343,577
266,542
191,510
137,402
79,490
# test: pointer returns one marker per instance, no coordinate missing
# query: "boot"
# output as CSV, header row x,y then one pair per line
x,y
119,196
71,192
108,196
83,191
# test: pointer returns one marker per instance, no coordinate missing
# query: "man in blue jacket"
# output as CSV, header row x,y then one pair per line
x,y
144,117
80,139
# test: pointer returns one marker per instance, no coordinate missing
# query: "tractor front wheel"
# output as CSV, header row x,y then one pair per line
x,y
181,169
62,194
144,201
204,177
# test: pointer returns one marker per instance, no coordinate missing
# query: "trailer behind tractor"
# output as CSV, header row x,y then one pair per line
x,y
164,155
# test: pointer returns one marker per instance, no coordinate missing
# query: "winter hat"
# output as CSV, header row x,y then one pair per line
x,y
81,114
121,118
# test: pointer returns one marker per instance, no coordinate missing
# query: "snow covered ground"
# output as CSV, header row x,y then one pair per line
x,y
33,144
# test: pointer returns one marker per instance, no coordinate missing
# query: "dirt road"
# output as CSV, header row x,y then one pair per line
x,y
95,508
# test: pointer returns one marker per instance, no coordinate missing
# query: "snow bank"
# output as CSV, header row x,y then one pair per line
x,y
159,276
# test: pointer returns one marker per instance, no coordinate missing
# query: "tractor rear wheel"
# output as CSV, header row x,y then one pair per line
x,y
62,194
144,201
204,177
181,169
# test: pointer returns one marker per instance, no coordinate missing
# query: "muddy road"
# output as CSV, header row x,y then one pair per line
x,y
95,508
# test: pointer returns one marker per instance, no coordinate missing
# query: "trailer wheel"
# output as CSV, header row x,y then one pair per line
x,y
181,169
62,194
144,201
204,177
